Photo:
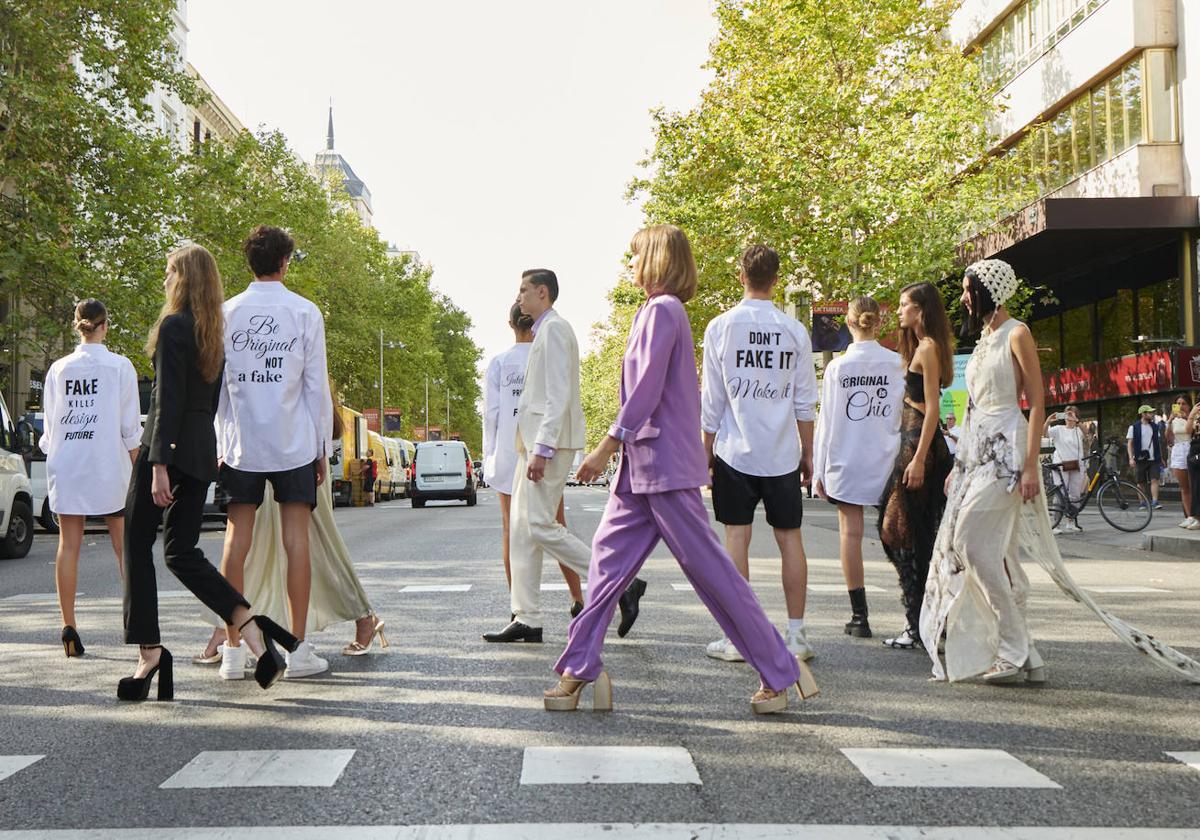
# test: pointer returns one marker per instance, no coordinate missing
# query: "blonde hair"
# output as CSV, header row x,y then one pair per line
x,y
197,289
863,314
665,263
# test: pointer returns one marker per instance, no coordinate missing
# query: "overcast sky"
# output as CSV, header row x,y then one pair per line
x,y
494,137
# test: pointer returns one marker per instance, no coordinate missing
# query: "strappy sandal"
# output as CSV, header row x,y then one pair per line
x,y
356,648
1002,672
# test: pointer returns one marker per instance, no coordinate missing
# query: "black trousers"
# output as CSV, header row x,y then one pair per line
x,y
181,522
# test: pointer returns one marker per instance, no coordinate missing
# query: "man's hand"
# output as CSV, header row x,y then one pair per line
x,y
537,469
322,469
806,470
160,486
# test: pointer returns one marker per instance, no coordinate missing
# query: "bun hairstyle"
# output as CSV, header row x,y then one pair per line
x,y
518,320
90,315
863,314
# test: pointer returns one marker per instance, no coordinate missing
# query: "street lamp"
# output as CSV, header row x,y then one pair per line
x,y
391,345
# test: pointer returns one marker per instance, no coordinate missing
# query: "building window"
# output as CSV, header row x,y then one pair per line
x,y
1027,32
1047,335
196,136
1077,331
1160,315
1114,317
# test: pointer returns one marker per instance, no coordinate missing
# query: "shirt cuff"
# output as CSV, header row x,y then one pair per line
x,y
619,432
545,451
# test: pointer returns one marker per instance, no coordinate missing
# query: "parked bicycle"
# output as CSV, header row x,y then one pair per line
x,y
1122,503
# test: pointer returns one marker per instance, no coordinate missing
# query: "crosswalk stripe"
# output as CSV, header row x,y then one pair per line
x,y
424,587
261,768
937,768
608,765
560,587
1191,759
10,764
1127,589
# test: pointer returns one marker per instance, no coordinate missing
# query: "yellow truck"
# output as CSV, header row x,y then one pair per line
x,y
352,446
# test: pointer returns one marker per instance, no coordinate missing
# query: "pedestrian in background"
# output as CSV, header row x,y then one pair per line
x,y
757,412
90,438
1179,443
1193,466
275,422
1070,455
369,474
1145,445
950,432
175,464
503,384
857,436
915,497
657,493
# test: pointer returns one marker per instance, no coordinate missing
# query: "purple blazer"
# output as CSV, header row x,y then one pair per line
x,y
659,420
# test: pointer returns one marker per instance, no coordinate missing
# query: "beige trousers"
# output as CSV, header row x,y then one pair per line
x,y
535,531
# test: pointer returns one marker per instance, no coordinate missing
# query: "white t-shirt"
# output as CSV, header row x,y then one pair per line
x,y
858,430
92,421
275,411
758,381
1147,433
1068,443
1179,430
502,391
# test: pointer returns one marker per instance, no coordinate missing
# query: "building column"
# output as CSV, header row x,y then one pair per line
x,y
1187,277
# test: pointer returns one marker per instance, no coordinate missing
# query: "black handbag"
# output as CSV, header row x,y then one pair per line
x,y
1193,459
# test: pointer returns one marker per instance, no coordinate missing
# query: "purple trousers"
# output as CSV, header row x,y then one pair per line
x,y
631,527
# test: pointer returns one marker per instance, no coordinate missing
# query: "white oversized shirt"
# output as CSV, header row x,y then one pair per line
x,y
93,419
858,431
758,381
275,411
504,382
1068,443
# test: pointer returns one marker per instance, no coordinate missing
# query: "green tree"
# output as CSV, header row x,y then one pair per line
x,y
460,372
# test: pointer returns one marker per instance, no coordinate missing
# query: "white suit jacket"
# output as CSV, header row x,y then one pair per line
x,y
549,411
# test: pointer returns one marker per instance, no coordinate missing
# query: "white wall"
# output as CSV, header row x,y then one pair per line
x,y
1188,68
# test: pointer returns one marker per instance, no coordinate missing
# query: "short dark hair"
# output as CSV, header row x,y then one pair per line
x,y
542,277
266,248
518,320
761,266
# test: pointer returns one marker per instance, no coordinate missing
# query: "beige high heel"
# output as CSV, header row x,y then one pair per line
x,y
1034,667
356,649
564,697
768,702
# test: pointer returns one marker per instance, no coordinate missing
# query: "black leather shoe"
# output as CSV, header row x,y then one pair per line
x,y
515,632
576,608
629,606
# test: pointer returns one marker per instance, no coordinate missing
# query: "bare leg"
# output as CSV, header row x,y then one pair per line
x,y
66,564
505,507
795,569
294,518
569,575
1154,489
1185,490
116,534
737,543
850,536
239,532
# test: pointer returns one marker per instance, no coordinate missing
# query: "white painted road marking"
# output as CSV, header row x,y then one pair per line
x,y
426,587
261,768
840,587
10,764
608,766
1117,589
1191,759
957,768
559,587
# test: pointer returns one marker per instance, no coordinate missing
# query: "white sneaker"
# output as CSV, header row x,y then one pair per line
x,y
233,662
304,662
1060,530
799,647
724,649
1194,526
1075,527
1187,522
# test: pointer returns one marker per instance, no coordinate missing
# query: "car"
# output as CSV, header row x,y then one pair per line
x,y
16,495
442,470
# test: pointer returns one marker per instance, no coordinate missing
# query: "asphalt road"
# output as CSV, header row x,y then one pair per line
x,y
440,724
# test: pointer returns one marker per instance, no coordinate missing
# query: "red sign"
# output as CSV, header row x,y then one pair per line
x,y
1187,367
372,417
1143,373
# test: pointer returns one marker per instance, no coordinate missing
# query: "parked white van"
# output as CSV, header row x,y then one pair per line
x,y
442,470
16,496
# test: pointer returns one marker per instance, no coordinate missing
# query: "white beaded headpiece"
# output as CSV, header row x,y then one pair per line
x,y
997,277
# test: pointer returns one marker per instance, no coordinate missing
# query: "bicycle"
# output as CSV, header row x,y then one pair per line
x,y
1122,503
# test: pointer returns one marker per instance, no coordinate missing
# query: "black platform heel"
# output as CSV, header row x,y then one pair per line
x,y
138,688
72,644
271,664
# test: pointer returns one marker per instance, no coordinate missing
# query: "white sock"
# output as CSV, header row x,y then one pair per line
x,y
795,626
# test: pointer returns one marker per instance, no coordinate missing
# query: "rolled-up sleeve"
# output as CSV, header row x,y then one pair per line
x,y
805,384
131,407
650,355
714,399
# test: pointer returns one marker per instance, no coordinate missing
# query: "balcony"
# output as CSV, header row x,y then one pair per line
x,y
1148,169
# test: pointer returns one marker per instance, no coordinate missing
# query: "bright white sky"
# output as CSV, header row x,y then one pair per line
x,y
493,136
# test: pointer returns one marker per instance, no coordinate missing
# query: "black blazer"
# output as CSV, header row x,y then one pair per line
x,y
179,426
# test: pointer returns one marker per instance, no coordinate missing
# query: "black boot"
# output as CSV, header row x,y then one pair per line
x,y
858,624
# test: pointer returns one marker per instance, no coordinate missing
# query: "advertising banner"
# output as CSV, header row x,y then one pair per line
x,y
954,397
1126,376
829,331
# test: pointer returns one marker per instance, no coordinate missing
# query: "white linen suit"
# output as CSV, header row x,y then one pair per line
x,y
549,413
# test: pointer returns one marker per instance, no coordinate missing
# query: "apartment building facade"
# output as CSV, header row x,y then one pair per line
x,y
1097,98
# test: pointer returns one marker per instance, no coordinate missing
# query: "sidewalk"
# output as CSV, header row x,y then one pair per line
x,y
1161,536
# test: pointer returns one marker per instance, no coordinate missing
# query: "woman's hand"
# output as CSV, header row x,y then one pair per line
x,y
914,474
594,464
1030,486
949,481
819,487
160,486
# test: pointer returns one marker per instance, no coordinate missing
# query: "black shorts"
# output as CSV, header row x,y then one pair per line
x,y
1146,471
247,488
735,496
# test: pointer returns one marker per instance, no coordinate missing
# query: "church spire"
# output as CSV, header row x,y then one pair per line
x,y
329,134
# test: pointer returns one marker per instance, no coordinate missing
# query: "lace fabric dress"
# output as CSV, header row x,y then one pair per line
x,y
908,519
976,589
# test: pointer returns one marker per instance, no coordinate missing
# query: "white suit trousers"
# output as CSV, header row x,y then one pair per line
x,y
534,531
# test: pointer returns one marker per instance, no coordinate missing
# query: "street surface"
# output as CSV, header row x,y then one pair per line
x,y
444,730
